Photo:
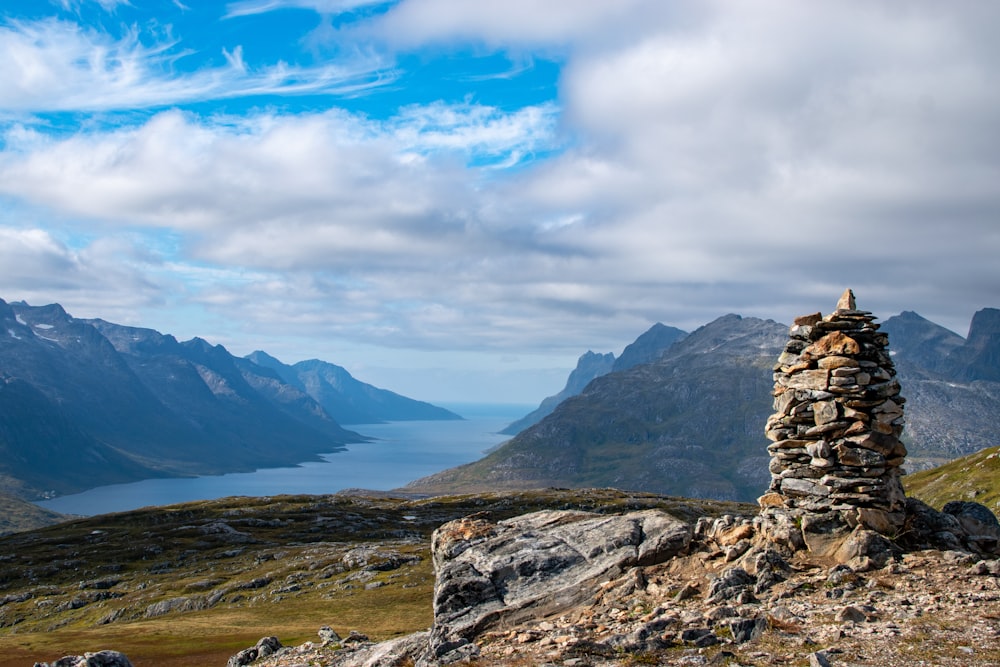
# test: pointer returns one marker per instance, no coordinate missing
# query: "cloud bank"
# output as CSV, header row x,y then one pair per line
x,y
694,159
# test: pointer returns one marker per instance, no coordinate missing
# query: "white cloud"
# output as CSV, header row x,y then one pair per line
x,y
106,278
517,23
716,157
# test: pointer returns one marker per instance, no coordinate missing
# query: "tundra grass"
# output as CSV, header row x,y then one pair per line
x,y
197,582
975,477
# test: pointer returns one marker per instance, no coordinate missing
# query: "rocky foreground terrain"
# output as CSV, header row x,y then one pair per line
x,y
574,588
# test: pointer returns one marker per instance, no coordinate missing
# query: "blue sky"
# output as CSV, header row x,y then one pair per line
x,y
455,199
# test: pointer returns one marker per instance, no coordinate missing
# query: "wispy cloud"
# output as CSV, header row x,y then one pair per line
x,y
253,7
56,66
106,5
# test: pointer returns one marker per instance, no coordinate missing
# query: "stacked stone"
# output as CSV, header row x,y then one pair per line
x,y
837,421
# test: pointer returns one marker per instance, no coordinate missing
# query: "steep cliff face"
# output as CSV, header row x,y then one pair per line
x,y
979,357
649,346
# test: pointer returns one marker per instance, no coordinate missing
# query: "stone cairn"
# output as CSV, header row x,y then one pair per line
x,y
837,421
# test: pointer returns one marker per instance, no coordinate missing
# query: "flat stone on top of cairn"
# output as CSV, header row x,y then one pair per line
x,y
837,421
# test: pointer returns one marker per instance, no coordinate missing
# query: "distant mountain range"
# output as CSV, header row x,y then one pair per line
x,y
85,403
691,422
346,399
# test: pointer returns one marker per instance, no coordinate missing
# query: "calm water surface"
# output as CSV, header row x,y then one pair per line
x,y
403,452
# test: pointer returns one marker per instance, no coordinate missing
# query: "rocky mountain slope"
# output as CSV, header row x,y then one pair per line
x,y
647,347
85,403
948,386
346,399
689,423
589,366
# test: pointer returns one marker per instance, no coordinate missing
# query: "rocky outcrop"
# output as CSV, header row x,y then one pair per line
x,y
574,588
263,648
837,421
535,566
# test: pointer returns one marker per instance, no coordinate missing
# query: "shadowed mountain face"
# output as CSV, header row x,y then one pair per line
x,y
646,348
85,403
649,346
691,422
589,366
347,399
979,358
43,450
919,341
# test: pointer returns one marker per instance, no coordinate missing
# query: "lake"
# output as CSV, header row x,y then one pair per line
x,y
401,453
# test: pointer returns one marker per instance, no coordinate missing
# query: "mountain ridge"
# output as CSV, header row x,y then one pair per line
x,y
648,346
346,399
615,434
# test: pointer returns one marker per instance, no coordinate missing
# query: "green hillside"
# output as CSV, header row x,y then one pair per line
x,y
975,477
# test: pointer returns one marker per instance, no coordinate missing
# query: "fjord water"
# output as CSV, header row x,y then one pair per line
x,y
400,453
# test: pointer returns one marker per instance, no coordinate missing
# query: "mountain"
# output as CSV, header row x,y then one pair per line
x,y
647,347
951,401
979,357
43,451
589,366
919,341
86,402
689,423
347,399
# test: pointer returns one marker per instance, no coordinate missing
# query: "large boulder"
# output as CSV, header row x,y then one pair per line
x,y
981,527
534,566
98,659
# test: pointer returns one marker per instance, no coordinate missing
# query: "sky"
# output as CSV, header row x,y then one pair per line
x,y
455,199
